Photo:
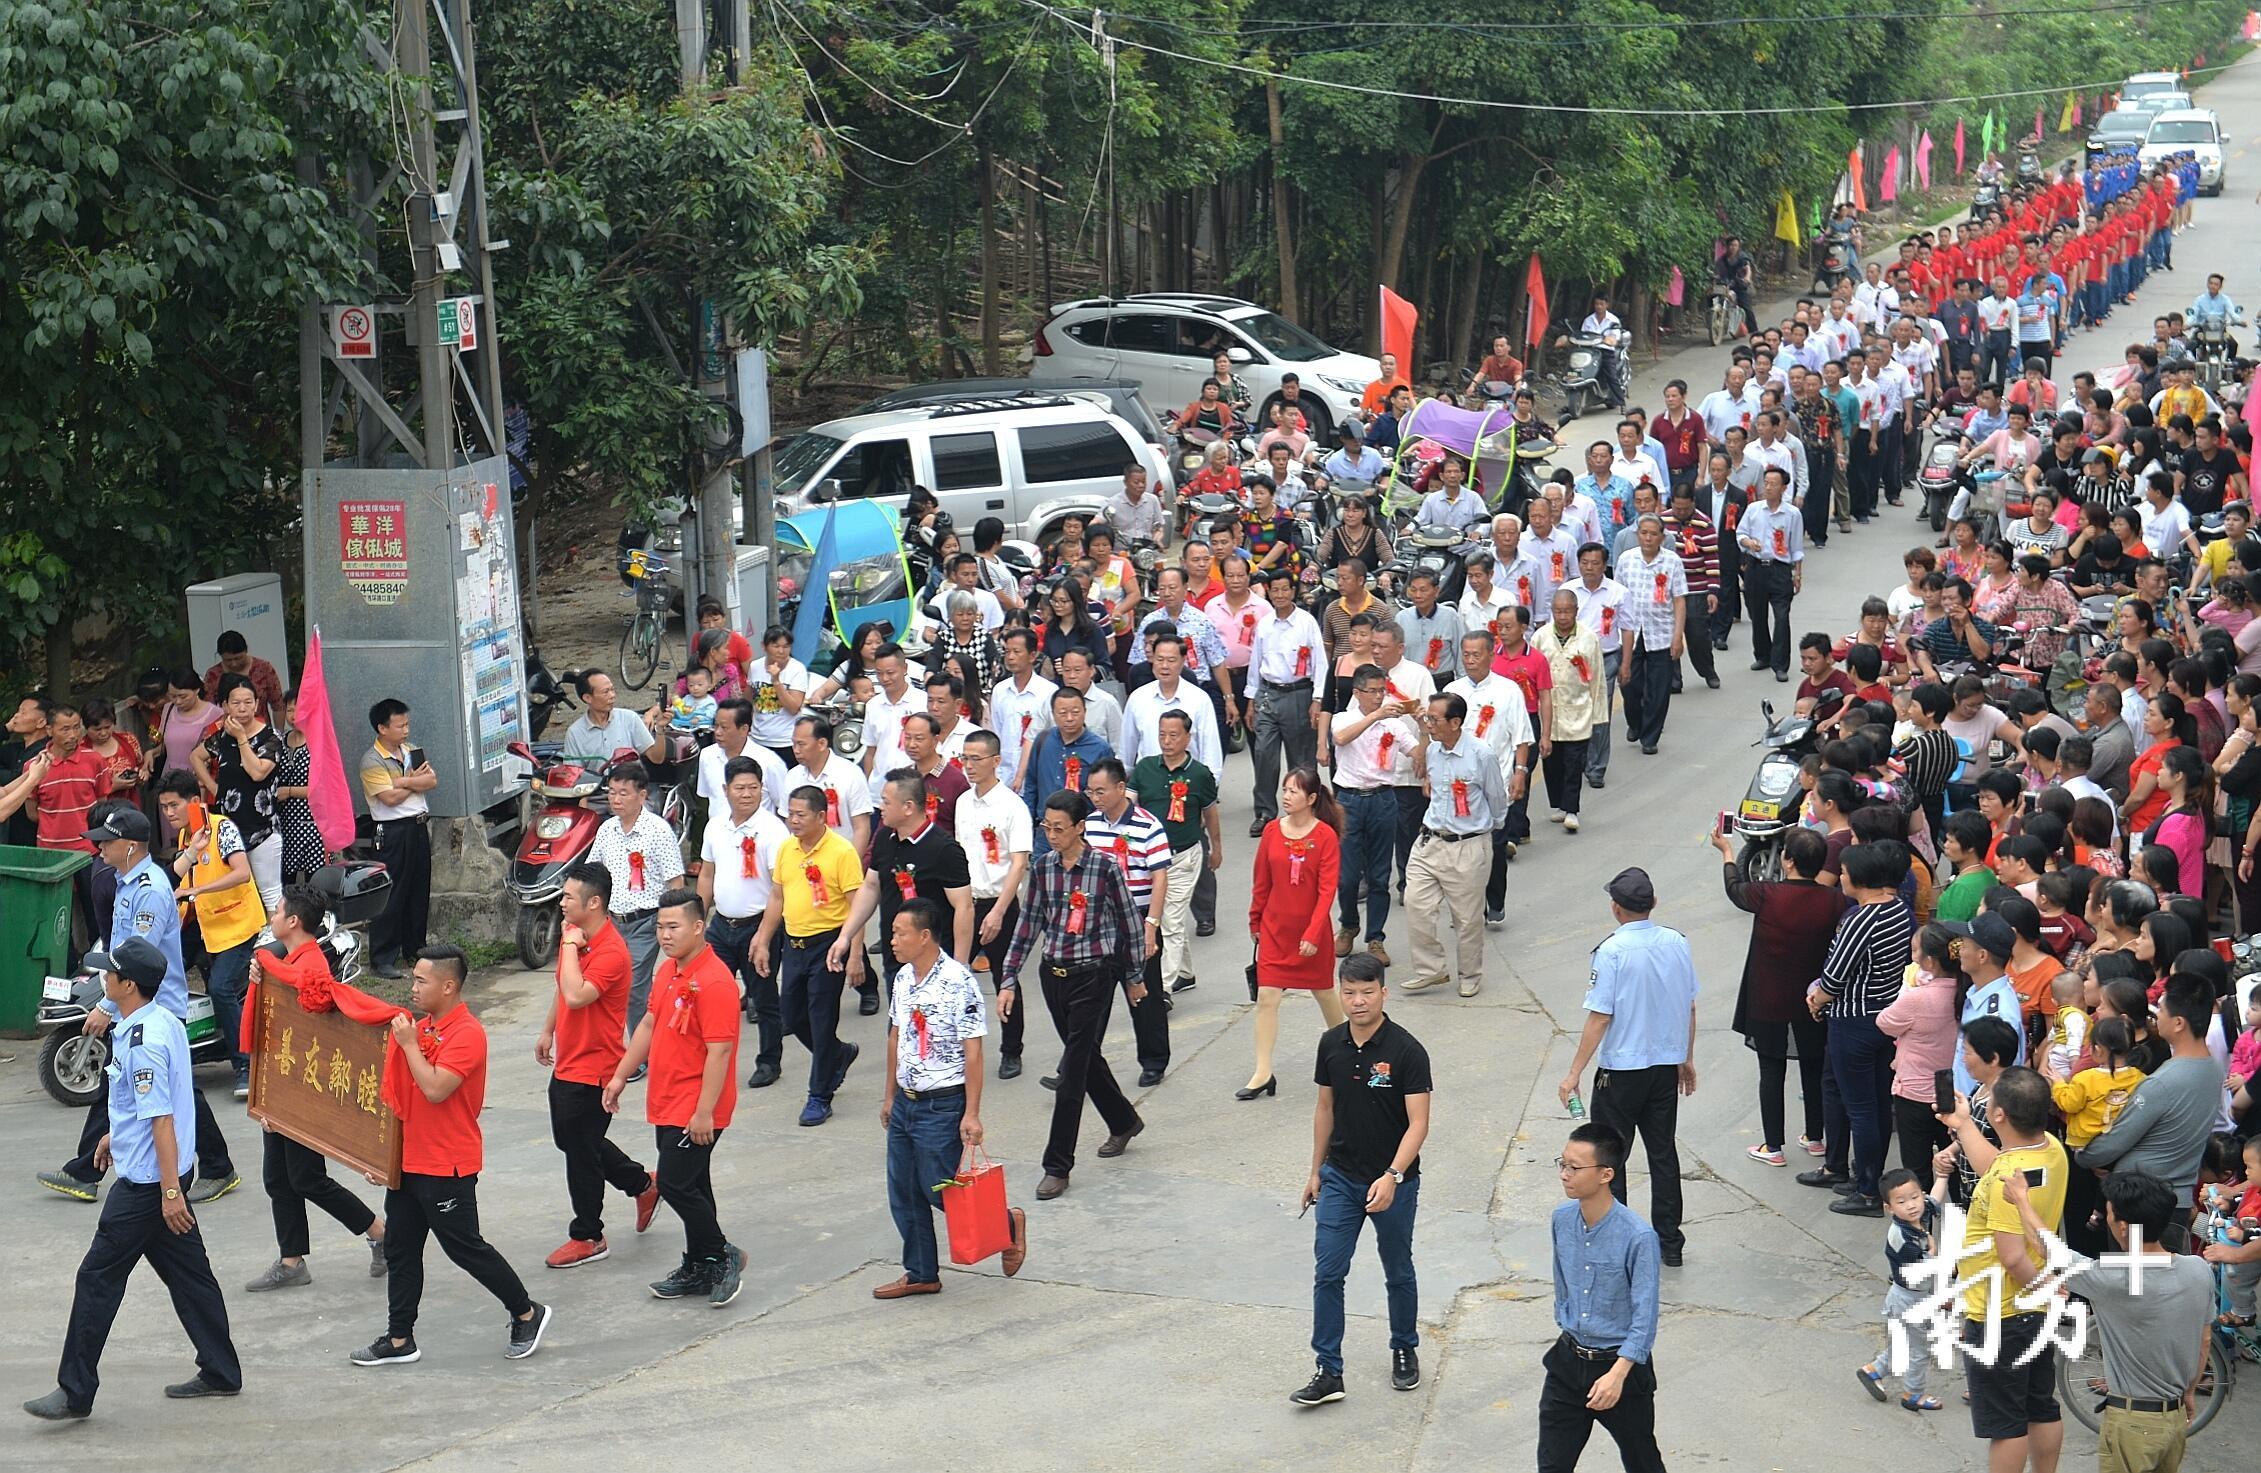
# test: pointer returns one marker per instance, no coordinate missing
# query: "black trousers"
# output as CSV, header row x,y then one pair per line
x,y
1564,769
1697,630
733,942
1647,1101
1565,1422
1411,804
1079,999
1811,1038
133,1228
1767,592
1821,482
582,1130
447,1208
686,1184
213,1162
297,1175
1865,472
1730,590
1013,1029
404,846
1150,1017
1921,1134
1645,680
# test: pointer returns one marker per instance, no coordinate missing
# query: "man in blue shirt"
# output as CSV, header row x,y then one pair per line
x,y
1062,757
144,910
1605,1303
1641,1021
1353,462
153,1139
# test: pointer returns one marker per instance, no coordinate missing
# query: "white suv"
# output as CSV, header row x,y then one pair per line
x,y
1168,341
2194,131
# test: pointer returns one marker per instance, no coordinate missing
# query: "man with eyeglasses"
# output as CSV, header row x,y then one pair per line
x,y
1606,1291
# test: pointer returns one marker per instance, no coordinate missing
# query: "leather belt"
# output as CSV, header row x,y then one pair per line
x,y
2141,1404
805,943
1440,834
1570,1343
944,1093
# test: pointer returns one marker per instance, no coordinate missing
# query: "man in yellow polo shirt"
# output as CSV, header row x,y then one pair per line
x,y
2013,1405
818,875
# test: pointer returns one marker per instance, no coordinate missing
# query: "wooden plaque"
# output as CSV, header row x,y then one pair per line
x,y
317,1077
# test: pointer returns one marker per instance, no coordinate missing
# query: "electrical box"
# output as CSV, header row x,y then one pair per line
x,y
412,577
252,605
749,592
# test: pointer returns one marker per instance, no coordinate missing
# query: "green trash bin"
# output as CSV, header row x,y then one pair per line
x,y
35,928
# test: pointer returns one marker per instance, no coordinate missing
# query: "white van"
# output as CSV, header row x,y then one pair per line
x,y
1029,461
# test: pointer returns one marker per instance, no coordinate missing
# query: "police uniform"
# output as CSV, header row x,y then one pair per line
x,y
148,1081
145,910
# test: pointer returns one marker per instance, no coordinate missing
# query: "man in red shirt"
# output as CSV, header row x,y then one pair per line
x,y
582,1043
689,1037
71,778
441,1150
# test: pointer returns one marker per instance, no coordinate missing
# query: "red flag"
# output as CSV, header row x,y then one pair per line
x,y
326,792
1398,319
1860,186
1535,287
1958,148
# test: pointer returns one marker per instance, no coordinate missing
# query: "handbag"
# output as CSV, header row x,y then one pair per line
x,y
973,1209
1252,976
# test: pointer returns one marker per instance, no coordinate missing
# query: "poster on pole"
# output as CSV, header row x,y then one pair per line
x,y
373,549
353,332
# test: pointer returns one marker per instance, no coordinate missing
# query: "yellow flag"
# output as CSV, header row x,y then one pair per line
x,y
2065,120
1786,221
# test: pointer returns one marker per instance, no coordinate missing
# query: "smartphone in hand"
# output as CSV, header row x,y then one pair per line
x,y
1942,1091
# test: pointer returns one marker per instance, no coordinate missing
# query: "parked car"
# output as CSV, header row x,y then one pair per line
x,y
1029,460
2191,130
1122,397
2121,130
1168,341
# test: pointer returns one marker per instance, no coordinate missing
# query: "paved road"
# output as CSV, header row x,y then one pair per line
x,y
1164,1312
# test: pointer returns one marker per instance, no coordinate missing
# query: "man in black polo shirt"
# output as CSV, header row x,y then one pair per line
x,y
1182,793
1371,1118
912,857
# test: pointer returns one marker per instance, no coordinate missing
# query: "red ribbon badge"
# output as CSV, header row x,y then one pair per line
x,y
1558,570
747,869
1609,620
1662,583
679,1015
918,1028
1297,849
1578,663
1303,662
1248,622
1122,852
1781,542
1522,596
1075,774
635,869
1460,797
1382,758
815,876
1027,718
831,809
1391,687
1177,802
1484,716
992,848
1436,652
1688,544
933,807
1077,905
907,882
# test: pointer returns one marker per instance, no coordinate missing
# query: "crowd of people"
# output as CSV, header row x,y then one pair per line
x,y
1974,885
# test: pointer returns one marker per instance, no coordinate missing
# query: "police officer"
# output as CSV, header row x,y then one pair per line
x,y
144,910
1641,1021
153,1139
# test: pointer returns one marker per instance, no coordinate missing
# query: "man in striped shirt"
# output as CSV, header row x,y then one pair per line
x,y
1079,904
1140,843
1691,534
1859,979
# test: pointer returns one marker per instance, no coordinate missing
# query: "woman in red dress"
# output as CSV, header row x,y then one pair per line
x,y
1290,913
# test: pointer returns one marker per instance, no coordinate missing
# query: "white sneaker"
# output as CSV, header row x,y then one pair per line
x,y
1570,823
1557,816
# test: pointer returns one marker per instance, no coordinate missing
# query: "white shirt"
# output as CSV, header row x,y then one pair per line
x,y
1556,558
1458,512
738,894
651,847
1104,715
1807,355
1582,518
1001,819
949,1004
1722,411
883,728
1142,723
1018,715
1916,359
1760,456
1597,610
773,724
1837,336
1995,313
1497,716
2164,528
1633,469
1410,680
1601,325
714,790
845,791
1142,519
1362,763
2085,786
1478,613
1286,651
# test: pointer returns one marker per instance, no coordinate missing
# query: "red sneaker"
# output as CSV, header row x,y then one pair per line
x,y
647,1204
577,1251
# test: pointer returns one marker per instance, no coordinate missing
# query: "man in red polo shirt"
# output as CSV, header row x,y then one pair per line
x,y
582,1043
71,780
689,1037
436,1081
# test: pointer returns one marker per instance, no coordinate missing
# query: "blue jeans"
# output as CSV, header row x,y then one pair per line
x,y
808,997
1369,838
922,1150
1342,1213
1860,1062
224,977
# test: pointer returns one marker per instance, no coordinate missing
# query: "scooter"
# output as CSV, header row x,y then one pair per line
x,y
558,836
1769,809
1595,374
1940,475
73,1064
1830,273
1442,552
1719,314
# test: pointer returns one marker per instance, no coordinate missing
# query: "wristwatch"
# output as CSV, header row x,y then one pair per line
x,y
1397,1176
172,1193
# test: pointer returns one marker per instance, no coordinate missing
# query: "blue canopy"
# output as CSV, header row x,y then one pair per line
x,y
855,549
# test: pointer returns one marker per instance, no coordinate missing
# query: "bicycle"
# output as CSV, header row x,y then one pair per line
x,y
643,636
2081,1385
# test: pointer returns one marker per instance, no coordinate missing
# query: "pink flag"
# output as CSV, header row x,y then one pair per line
x,y
326,792
1676,289
1958,148
2253,412
1923,160
2039,131
2077,117
2252,24
1889,189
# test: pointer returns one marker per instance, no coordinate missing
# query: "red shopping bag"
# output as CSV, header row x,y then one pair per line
x,y
973,1207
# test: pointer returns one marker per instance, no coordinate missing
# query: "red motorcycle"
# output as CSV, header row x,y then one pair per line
x,y
558,834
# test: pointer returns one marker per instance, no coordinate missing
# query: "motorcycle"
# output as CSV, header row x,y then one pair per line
x,y
558,836
1596,373
1769,810
1442,552
1827,276
2210,348
545,693
2029,164
1719,314
73,1065
2081,663
1940,476
1986,198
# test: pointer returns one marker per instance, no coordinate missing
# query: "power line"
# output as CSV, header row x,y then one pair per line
x,y
1660,23
1285,78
